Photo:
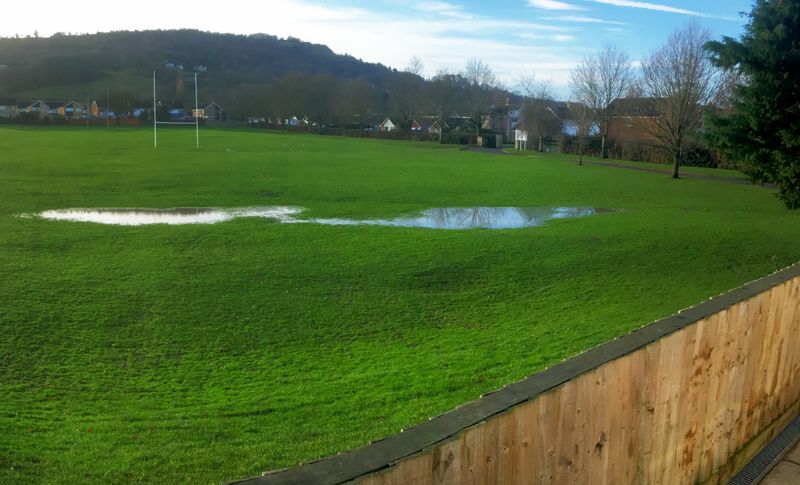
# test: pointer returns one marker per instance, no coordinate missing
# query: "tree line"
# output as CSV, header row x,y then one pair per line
x,y
736,96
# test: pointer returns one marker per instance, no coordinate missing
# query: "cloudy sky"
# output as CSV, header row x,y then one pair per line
x,y
546,37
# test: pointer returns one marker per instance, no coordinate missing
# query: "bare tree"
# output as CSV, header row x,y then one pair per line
x,y
681,82
405,98
483,85
446,92
537,114
353,101
415,66
479,73
584,118
598,81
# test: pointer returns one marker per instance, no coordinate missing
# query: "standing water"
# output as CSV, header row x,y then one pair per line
x,y
441,218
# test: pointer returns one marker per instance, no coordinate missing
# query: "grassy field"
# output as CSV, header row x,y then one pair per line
x,y
205,353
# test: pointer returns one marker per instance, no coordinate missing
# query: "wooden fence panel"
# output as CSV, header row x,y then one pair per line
x,y
687,400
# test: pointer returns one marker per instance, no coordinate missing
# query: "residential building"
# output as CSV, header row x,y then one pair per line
x,y
633,119
387,125
213,111
38,107
73,110
8,108
55,108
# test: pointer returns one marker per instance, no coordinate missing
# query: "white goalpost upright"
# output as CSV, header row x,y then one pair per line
x,y
195,113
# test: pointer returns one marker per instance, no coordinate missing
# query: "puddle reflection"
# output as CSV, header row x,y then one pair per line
x,y
440,218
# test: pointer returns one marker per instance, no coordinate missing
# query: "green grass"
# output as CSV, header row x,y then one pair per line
x,y
665,167
170,354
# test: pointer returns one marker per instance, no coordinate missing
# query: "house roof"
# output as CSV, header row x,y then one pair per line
x,y
560,109
635,107
457,122
428,123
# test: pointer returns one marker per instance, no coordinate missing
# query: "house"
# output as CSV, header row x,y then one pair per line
x,y
429,124
38,107
73,110
632,119
94,110
214,111
459,123
8,108
387,125
55,108
559,117
570,125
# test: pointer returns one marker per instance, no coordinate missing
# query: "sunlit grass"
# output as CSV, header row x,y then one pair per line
x,y
205,353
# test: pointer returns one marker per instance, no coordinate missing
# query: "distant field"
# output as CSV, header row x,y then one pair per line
x,y
203,353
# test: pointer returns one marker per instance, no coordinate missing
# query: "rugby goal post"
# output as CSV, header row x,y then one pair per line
x,y
196,113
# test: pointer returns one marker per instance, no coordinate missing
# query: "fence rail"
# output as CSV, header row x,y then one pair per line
x,y
686,400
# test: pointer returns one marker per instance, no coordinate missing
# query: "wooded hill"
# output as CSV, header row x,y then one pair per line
x,y
74,66
255,75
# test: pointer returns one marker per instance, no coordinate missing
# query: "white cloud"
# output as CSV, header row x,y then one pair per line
x,y
553,5
584,20
442,8
647,6
563,38
554,38
661,8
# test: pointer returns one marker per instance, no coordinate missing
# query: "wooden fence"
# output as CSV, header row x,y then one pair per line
x,y
686,400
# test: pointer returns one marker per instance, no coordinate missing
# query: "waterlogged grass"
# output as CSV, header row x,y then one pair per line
x,y
205,353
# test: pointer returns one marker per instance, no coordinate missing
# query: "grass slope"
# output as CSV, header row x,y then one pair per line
x,y
206,353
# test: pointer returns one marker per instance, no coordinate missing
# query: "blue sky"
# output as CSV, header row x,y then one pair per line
x,y
545,37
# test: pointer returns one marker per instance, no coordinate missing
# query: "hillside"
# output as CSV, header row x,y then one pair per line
x,y
74,66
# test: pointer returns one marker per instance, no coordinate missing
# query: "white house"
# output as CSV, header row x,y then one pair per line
x,y
39,107
387,125
213,111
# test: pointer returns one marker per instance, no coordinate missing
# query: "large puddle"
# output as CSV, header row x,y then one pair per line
x,y
442,218
139,217
473,217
